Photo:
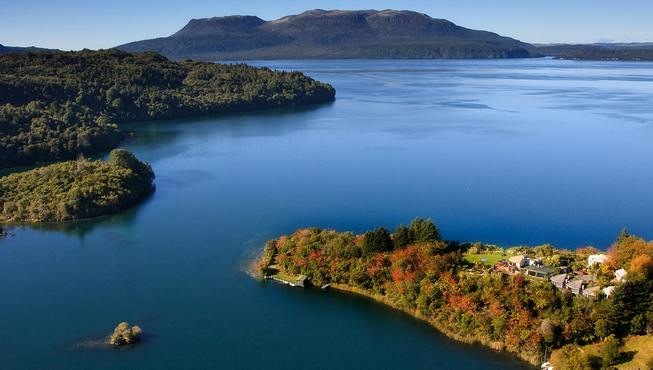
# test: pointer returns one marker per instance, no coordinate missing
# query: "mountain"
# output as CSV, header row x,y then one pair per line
x,y
16,49
599,51
327,34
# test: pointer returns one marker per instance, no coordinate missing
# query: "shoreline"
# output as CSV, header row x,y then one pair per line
x,y
472,294
344,288
125,132
110,187
142,198
415,314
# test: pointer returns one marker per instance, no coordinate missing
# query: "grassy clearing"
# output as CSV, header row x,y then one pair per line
x,y
490,259
643,348
637,348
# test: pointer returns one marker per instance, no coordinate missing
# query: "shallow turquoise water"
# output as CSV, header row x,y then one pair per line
x,y
511,152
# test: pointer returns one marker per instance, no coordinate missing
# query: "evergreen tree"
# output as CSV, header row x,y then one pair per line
x,y
402,237
630,303
376,241
424,231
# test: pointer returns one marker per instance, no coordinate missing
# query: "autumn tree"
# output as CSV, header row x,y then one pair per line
x,y
642,264
571,357
549,330
610,352
628,247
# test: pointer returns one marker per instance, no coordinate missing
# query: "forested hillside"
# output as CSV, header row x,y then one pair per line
x,y
56,105
18,49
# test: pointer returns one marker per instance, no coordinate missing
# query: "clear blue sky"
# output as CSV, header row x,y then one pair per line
x,y
77,24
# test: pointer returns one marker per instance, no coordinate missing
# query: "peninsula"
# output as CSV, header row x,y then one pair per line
x,y
601,52
524,300
74,189
57,105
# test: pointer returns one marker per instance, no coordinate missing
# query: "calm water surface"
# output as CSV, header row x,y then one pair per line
x,y
510,152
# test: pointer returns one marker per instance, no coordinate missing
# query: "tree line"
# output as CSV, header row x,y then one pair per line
x,y
56,105
415,270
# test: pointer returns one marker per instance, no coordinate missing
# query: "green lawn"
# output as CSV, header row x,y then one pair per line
x,y
638,346
491,259
642,346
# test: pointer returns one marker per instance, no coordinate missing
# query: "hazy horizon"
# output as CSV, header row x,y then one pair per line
x,y
77,25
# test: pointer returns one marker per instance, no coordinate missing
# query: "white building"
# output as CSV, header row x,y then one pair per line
x,y
518,261
596,259
620,275
607,291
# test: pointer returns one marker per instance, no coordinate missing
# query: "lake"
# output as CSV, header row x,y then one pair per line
x,y
508,152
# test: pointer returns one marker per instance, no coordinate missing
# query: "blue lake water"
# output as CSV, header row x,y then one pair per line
x,y
508,152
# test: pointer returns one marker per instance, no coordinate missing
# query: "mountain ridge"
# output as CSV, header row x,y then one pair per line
x,y
20,49
329,34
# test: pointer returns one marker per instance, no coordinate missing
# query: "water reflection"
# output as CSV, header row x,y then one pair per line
x,y
81,228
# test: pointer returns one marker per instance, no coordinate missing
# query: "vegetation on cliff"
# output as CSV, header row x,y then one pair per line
x,y
431,278
124,335
74,189
56,105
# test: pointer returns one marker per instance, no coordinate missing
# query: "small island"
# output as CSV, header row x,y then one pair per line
x,y
56,105
529,301
75,189
124,335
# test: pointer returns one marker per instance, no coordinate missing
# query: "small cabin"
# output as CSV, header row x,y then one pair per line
x,y
518,261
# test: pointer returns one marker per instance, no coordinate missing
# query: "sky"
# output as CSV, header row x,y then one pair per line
x,y
76,24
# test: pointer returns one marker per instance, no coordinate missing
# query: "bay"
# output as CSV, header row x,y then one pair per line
x,y
508,152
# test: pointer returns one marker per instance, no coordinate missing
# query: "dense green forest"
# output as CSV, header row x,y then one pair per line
x,y
56,105
74,189
413,269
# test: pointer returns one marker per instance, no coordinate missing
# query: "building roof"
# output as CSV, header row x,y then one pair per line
x,y
608,290
592,291
587,278
541,269
575,284
516,259
559,279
